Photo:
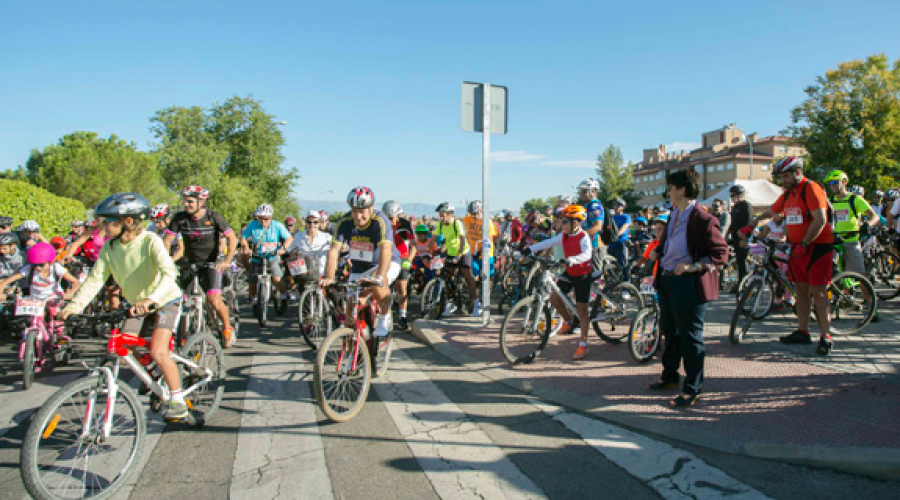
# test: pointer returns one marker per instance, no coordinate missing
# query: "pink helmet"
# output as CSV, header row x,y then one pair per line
x,y
41,253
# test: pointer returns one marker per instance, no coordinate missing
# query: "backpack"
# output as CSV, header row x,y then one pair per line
x,y
610,231
829,211
851,200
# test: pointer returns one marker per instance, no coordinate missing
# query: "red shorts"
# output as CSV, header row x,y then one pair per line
x,y
814,268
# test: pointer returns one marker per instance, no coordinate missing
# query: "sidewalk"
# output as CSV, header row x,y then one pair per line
x,y
761,398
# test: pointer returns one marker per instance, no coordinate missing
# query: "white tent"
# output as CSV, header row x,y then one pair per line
x,y
760,193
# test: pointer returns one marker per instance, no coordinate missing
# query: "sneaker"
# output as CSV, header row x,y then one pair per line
x,y
451,308
175,410
403,323
685,400
659,385
383,325
797,337
230,337
476,309
825,345
566,329
581,352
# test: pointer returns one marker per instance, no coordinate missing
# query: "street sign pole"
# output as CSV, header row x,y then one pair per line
x,y
486,206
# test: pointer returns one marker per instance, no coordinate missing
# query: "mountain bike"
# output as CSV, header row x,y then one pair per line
x,y
350,356
197,315
84,440
644,335
264,288
444,289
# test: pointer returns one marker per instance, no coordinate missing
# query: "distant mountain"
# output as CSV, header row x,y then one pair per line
x,y
415,209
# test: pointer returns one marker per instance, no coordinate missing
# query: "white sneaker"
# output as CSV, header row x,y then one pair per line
x,y
292,296
383,325
451,308
476,309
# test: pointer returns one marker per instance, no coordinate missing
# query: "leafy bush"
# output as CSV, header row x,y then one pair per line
x,y
22,201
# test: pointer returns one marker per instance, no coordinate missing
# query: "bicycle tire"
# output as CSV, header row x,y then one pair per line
x,y
849,300
763,299
522,335
629,302
205,350
314,318
885,270
281,305
433,300
529,279
47,431
739,327
644,335
29,354
263,301
330,378
234,311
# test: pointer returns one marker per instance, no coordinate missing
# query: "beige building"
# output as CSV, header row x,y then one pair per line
x,y
725,154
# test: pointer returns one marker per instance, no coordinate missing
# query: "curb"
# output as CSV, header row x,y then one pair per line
x,y
877,463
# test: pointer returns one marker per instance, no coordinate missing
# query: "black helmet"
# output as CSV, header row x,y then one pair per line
x,y
737,189
8,239
123,205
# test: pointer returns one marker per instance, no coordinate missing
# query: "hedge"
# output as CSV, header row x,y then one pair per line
x,y
23,201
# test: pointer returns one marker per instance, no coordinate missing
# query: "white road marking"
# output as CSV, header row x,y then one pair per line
x,y
673,473
460,460
279,452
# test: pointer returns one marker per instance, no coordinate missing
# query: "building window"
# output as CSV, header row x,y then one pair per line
x,y
765,166
782,150
720,184
720,167
710,168
711,187
730,166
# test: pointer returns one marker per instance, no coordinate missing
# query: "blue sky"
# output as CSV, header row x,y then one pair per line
x,y
370,90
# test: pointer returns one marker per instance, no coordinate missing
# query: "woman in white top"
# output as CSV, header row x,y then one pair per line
x,y
313,242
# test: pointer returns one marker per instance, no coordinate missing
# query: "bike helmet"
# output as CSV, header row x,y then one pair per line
x,y
361,197
787,164
878,192
421,228
576,212
565,198
41,253
6,221
475,207
8,239
264,210
392,208
29,225
618,202
641,220
195,192
589,184
507,213
58,242
664,218
293,220
445,207
836,176
91,223
160,211
78,223
892,193
858,190
121,205
737,189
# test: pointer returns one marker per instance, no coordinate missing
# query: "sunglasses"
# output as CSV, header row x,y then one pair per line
x,y
833,183
264,218
312,222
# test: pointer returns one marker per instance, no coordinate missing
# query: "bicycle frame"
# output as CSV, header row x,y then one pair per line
x,y
358,322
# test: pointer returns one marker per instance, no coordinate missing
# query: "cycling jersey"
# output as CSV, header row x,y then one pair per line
x,y
577,249
798,214
200,235
847,217
42,288
451,233
364,242
403,237
474,232
266,240
594,214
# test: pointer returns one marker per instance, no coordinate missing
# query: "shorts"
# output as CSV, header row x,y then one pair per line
x,y
166,317
476,266
464,261
404,274
392,274
853,257
275,269
210,279
814,268
582,285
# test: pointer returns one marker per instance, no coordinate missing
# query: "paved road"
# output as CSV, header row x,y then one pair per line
x,y
431,429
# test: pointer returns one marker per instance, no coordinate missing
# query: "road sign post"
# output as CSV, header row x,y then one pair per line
x,y
484,110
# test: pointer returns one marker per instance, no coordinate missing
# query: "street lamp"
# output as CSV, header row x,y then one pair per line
x,y
749,139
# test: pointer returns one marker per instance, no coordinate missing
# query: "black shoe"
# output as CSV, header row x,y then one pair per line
x,y
825,346
685,400
662,386
403,324
797,337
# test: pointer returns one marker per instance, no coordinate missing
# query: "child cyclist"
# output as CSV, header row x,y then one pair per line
x,y
140,262
577,250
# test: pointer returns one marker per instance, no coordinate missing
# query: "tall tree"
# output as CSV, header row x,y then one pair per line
x,y
88,168
537,204
850,120
616,176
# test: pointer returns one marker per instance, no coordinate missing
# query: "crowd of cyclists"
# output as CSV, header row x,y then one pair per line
x,y
137,253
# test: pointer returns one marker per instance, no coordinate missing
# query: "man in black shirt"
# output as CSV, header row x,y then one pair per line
x,y
740,217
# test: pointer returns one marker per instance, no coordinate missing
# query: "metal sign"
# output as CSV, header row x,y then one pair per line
x,y
473,107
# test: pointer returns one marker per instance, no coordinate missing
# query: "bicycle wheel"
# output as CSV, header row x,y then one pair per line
x,y
29,353
263,301
885,275
234,311
383,347
612,272
760,302
743,317
852,299
281,305
618,307
342,375
315,320
62,459
206,351
530,279
525,331
644,335
434,300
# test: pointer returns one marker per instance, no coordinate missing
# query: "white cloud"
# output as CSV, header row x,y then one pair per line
x,y
514,156
678,146
569,163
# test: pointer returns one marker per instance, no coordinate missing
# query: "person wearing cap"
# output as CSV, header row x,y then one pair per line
x,y
740,217
617,248
313,242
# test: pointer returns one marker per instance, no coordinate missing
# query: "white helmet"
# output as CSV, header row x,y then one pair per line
x,y
160,211
858,190
589,184
29,225
445,207
264,210
565,198
392,208
475,207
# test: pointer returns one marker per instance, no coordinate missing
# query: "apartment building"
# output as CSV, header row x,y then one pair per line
x,y
725,154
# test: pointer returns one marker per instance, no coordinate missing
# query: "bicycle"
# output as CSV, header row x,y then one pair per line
x,y
350,356
85,438
442,290
196,316
530,323
882,265
644,335
40,340
264,291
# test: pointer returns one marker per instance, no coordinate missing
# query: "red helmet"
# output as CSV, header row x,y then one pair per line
x,y
196,191
290,220
58,242
361,197
787,164
160,211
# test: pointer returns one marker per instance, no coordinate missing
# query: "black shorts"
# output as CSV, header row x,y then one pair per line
x,y
464,261
210,279
582,285
404,275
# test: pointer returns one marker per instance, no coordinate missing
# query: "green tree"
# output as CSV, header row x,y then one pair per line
x,y
616,177
537,204
88,168
233,149
850,120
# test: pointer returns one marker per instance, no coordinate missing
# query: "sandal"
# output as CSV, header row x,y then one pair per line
x,y
684,400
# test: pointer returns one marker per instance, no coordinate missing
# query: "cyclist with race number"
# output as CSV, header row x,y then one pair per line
x,y
373,257
456,246
270,239
404,242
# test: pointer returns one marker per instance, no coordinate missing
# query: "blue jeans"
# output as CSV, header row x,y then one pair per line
x,y
618,250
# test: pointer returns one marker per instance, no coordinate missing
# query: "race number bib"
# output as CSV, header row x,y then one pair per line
x,y
437,263
28,307
297,267
647,285
268,247
793,216
362,251
842,215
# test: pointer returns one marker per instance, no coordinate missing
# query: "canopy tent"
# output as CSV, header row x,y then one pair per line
x,y
760,193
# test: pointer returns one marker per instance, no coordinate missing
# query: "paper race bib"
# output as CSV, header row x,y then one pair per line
x,y
28,307
793,216
647,285
297,267
268,247
437,263
362,251
842,215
